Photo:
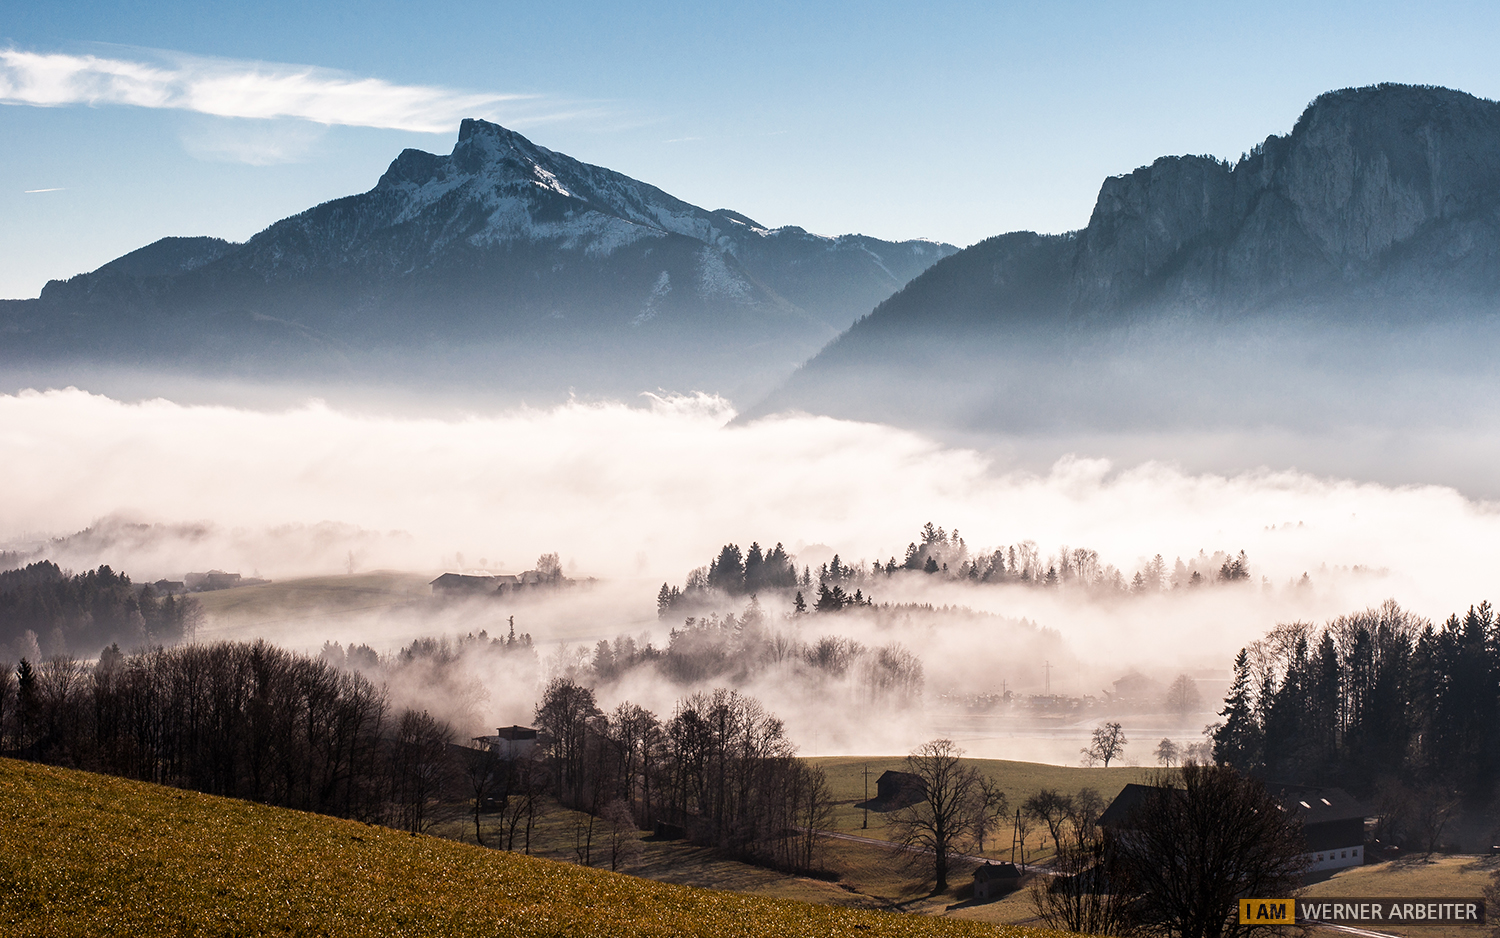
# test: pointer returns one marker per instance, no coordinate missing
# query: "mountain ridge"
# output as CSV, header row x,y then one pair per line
x,y
487,260
1379,211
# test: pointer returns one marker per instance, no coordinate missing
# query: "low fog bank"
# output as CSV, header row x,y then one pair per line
x,y
1009,671
1462,458
1392,402
653,490
865,680
633,497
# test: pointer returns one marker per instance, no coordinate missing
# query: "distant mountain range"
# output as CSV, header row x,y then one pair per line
x,y
501,264
1344,274
1347,271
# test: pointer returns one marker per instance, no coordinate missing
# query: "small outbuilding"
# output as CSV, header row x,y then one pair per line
x,y
993,880
896,790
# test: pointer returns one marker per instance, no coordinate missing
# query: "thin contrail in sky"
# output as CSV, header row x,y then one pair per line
x,y
56,189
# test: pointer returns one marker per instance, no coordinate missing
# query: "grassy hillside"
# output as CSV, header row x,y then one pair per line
x,y
84,854
312,597
1019,780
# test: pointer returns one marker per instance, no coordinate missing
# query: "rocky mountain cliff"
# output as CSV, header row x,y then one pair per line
x,y
1377,217
502,261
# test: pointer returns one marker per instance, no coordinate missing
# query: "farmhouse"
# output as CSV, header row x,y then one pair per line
x,y
510,742
462,584
474,584
218,580
1333,823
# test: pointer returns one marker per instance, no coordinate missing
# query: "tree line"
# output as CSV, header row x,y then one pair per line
x,y
936,552
254,721
1381,702
720,771
244,720
45,611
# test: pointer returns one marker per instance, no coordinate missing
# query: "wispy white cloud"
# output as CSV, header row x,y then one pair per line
x,y
236,88
53,189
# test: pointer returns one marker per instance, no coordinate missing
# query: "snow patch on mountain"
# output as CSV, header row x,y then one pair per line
x,y
662,287
716,281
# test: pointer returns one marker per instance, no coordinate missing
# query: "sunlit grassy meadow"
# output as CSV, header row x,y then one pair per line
x,y
84,854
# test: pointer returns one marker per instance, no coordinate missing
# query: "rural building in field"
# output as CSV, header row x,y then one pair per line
x,y
510,742
462,584
474,584
1333,823
993,880
896,790
218,580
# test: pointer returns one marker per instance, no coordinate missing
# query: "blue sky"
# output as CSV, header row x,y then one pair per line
x,y
948,121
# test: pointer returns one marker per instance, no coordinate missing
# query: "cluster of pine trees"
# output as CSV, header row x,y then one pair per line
x,y
939,553
720,769
1380,699
45,611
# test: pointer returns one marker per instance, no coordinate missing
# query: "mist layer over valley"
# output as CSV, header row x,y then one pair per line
x,y
635,496
1246,395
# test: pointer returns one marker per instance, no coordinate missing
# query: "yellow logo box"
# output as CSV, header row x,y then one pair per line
x,y
1268,912
1362,911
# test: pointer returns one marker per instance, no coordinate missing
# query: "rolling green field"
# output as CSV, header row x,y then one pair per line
x,y
85,854
1020,780
312,597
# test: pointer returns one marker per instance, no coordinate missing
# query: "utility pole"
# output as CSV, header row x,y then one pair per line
x,y
867,796
1013,831
1047,670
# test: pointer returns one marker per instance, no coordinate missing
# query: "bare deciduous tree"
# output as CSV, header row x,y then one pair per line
x,y
1108,743
943,819
1198,841
1433,807
1088,804
1084,894
482,776
522,802
418,764
1183,697
1051,808
624,845
1166,752
990,806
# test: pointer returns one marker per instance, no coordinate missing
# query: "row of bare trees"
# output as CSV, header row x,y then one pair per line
x,y
238,719
720,769
962,807
1173,864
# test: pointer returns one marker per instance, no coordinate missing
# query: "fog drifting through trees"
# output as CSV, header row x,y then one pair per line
x,y
637,495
